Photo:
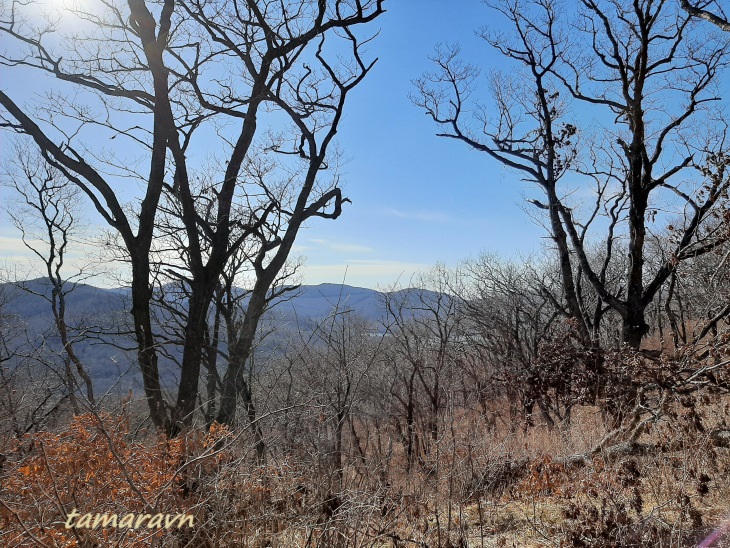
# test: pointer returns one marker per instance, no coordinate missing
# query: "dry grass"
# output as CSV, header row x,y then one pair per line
x,y
505,488
472,487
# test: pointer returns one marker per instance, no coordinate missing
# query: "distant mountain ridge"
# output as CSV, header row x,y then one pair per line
x,y
309,301
110,356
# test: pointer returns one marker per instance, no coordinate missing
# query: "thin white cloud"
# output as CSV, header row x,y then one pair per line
x,y
422,215
19,262
14,248
340,247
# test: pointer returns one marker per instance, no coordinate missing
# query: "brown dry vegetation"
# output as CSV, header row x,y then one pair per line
x,y
475,487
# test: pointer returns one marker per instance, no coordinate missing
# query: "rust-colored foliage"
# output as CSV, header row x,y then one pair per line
x,y
94,467
544,477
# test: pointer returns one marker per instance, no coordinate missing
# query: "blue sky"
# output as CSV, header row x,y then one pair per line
x,y
416,199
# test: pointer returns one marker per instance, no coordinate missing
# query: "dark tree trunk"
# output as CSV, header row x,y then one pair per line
x,y
195,328
146,354
234,378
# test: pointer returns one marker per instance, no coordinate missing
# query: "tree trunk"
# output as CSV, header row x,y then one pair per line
x,y
146,353
634,323
195,328
232,380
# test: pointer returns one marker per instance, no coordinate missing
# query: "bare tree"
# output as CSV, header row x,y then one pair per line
x,y
640,50
425,323
509,316
222,341
32,394
529,132
47,217
336,365
165,76
622,56
232,306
